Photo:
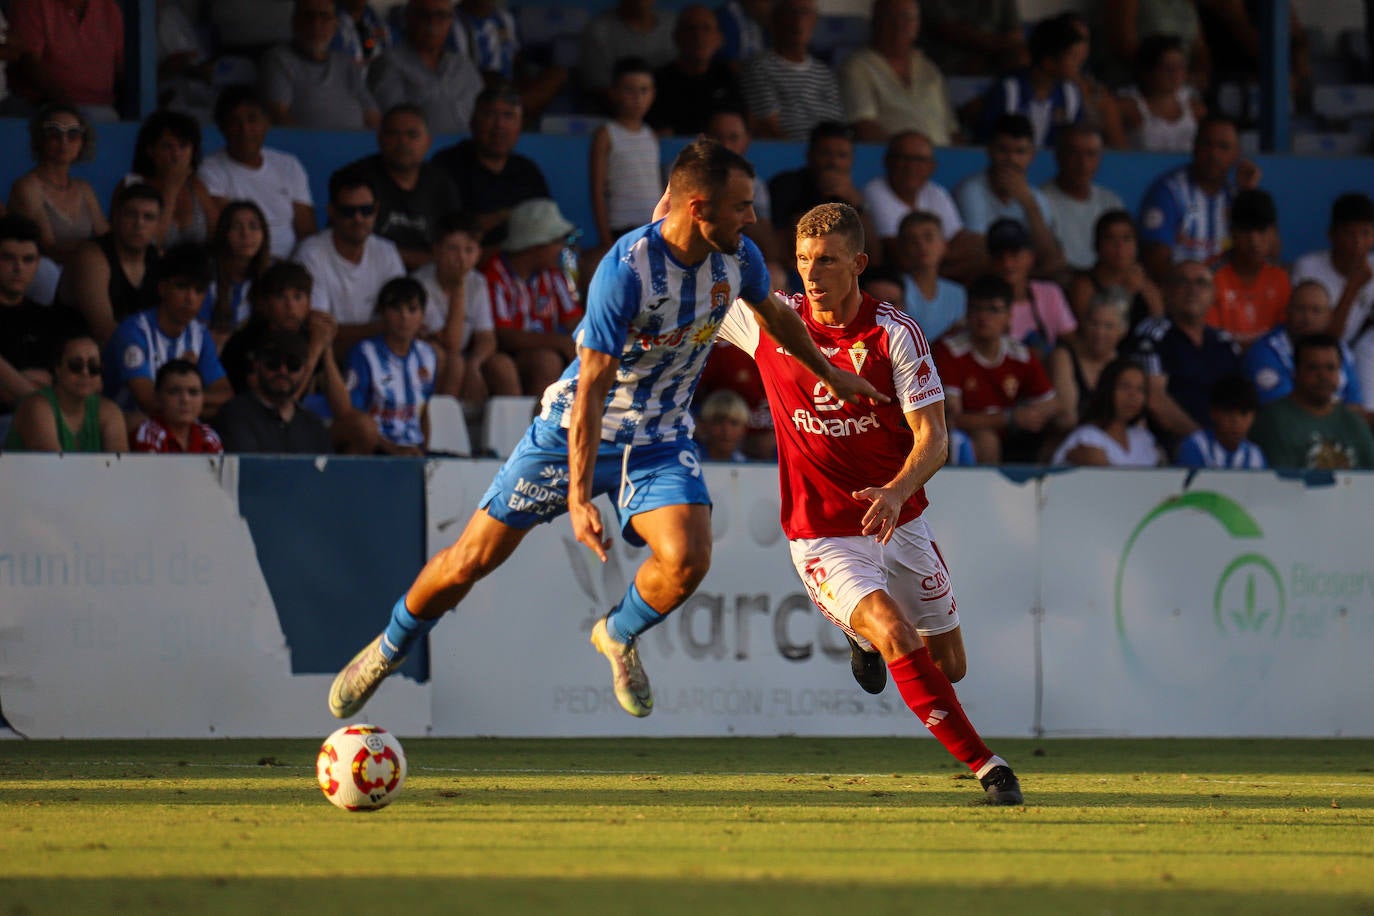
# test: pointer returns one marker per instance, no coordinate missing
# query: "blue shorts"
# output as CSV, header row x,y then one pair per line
x,y
532,486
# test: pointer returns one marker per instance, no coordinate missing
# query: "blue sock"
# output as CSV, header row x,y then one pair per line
x,y
631,616
404,631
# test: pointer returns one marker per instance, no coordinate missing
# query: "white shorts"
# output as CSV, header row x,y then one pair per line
x,y
839,572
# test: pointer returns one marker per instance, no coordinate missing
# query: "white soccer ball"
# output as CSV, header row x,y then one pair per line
x,y
361,768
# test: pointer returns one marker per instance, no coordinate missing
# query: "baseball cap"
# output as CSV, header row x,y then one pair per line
x,y
1007,235
537,221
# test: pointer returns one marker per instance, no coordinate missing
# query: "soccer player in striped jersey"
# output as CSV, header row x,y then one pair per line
x,y
618,423
853,480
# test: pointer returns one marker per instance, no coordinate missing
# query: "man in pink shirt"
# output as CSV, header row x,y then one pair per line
x,y
71,51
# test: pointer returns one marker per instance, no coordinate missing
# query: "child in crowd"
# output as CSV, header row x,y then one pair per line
x,y
626,180
1251,293
722,426
391,376
1040,314
937,304
1232,408
176,428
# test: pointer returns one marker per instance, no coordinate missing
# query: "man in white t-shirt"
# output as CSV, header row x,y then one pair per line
x,y
906,186
247,170
1347,268
348,262
1075,201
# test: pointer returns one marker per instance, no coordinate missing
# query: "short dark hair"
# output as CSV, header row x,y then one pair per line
x,y
704,166
234,95
1314,342
399,290
409,108
1214,119
464,221
829,130
348,178
1152,49
180,125
920,218
71,331
1015,126
499,91
1108,220
189,262
176,367
45,114
16,228
1253,209
134,189
631,64
880,274
991,286
1052,37
1352,207
1234,394
280,277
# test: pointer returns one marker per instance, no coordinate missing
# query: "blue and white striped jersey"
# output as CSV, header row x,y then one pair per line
x,y
1202,450
139,347
393,389
660,318
1194,224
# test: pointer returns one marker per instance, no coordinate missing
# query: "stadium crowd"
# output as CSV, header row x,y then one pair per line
x,y
206,310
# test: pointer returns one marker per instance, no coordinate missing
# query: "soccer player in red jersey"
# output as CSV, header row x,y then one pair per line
x,y
853,478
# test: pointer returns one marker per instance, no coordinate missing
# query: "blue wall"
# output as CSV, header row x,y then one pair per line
x,y
1303,186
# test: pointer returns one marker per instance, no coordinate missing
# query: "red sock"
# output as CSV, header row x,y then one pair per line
x,y
930,695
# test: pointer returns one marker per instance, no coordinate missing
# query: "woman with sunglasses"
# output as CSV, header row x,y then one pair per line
x,y
64,207
70,415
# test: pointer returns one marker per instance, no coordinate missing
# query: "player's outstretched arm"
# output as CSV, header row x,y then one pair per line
x,y
595,376
786,327
929,451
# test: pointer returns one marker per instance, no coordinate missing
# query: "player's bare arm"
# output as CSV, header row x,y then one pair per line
x,y
595,375
929,451
783,325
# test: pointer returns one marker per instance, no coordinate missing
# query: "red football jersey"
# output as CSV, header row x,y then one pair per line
x,y
543,303
1016,375
827,449
152,436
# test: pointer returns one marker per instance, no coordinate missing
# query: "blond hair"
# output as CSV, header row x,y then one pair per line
x,y
833,219
725,404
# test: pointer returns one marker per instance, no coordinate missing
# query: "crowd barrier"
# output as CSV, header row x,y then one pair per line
x,y
192,597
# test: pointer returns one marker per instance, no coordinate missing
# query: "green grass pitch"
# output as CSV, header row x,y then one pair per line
x,y
658,826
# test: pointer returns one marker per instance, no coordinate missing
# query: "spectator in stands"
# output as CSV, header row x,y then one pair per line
x,y
1347,268
975,37
789,92
1040,315
1117,267
1183,356
184,66
424,71
886,283
1310,428
1076,363
64,206
1185,212
534,307
166,156
626,178
1004,190
1225,443
728,368
1161,111
71,52
1125,24
362,33
632,28
1251,292
721,426
1269,361
241,252
307,84
29,332
111,278
175,427
1099,101
890,87
1111,434
247,170
744,28
938,305
69,415
905,186
827,177
696,83
412,194
491,177
1231,31
731,129
1076,202
996,389
145,342
1046,92
349,262
495,47
458,316
267,417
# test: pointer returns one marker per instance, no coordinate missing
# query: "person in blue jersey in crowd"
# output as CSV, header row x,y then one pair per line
x,y
391,376
1232,405
617,422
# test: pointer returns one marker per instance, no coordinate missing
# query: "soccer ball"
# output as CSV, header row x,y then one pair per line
x,y
361,768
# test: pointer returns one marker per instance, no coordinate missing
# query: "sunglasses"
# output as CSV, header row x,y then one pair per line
x,y
76,365
72,132
275,362
359,210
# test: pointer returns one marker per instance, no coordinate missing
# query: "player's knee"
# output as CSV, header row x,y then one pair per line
x,y
685,564
890,633
954,668
465,563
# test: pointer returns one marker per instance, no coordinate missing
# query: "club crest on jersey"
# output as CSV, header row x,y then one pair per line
x,y
923,372
1010,385
858,355
720,294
